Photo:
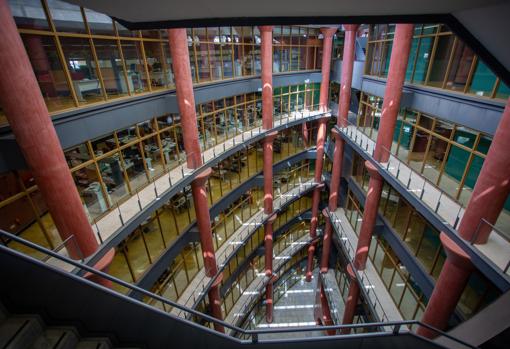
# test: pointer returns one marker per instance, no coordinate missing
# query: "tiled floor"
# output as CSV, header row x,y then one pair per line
x,y
497,249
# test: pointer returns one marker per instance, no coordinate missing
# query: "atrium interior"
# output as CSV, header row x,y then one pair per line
x,y
241,175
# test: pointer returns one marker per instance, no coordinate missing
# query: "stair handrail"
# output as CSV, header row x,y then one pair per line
x,y
254,334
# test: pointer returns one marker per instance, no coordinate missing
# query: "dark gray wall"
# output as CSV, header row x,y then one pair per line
x,y
77,126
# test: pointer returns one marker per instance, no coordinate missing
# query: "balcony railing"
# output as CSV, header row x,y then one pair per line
x,y
436,199
394,328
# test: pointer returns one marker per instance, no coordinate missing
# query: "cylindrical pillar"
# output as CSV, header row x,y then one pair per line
x,y
352,300
31,124
266,57
486,202
186,102
266,62
327,46
200,202
393,93
343,111
492,186
326,320
326,243
268,265
375,186
347,68
178,41
448,289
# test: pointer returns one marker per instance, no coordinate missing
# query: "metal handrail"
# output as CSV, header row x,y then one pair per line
x,y
386,166
364,275
202,163
252,333
390,154
283,198
495,229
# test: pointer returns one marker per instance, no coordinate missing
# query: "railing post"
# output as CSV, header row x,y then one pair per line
x,y
396,329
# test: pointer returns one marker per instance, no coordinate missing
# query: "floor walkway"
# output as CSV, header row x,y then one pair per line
x,y
227,250
497,249
113,221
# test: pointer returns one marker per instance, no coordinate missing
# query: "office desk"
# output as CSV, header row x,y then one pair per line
x,y
85,85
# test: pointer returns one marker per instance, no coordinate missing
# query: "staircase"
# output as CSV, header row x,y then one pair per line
x,y
30,332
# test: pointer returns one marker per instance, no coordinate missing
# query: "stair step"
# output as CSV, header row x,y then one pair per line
x,y
19,332
94,343
56,338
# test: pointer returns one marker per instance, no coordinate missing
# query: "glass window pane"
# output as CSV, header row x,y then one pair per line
x,y
441,59
112,68
159,73
460,67
503,91
29,14
83,69
483,80
49,71
89,187
66,17
135,66
113,177
99,23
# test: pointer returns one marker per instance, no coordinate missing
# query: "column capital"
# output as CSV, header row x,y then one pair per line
x,y
372,170
350,27
202,177
455,254
266,28
328,31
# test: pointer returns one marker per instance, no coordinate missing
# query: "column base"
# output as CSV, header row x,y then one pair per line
x,y
449,287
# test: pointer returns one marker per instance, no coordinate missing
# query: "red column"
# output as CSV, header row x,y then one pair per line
x,y
352,299
327,44
391,105
266,60
326,243
185,97
266,53
375,186
448,289
31,124
326,311
186,101
343,111
268,264
393,92
492,186
489,195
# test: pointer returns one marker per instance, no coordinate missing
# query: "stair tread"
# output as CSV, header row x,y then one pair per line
x,y
56,338
93,343
20,331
